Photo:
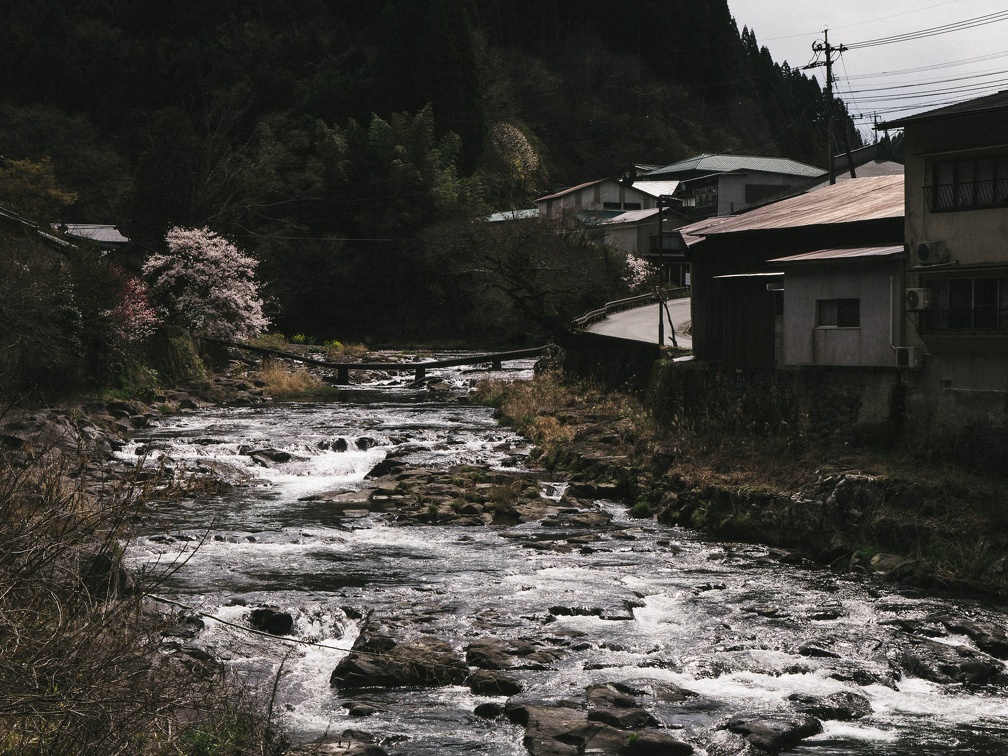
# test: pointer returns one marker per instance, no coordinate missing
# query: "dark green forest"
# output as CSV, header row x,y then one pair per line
x,y
350,145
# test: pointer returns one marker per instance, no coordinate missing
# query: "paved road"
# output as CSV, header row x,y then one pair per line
x,y
641,323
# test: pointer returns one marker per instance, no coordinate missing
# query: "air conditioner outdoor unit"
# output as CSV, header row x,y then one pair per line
x,y
932,253
910,357
916,300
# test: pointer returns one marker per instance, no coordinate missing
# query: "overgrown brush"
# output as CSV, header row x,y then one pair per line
x,y
83,667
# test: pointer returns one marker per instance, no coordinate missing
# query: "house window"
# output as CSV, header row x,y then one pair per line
x,y
970,304
968,183
838,313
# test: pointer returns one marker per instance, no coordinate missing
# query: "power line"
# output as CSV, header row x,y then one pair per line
x,y
934,31
932,67
931,82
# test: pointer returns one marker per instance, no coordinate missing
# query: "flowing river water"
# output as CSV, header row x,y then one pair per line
x,y
668,607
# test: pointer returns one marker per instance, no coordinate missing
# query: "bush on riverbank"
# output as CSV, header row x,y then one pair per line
x,y
870,506
85,666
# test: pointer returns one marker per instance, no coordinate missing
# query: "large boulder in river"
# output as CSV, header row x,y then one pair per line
x,y
944,663
381,662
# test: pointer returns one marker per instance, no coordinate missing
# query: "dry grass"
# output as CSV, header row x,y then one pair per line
x,y
283,382
81,663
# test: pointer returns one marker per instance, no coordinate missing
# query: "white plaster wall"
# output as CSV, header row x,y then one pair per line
x,y
866,346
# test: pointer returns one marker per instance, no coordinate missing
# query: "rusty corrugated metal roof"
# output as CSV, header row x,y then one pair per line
x,y
861,199
842,253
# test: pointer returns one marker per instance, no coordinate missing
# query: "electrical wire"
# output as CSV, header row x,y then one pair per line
x,y
970,23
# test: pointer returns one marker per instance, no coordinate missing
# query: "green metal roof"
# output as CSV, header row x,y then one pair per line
x,y
709,163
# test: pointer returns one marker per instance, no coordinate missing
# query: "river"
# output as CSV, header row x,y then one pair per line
x,y
668,608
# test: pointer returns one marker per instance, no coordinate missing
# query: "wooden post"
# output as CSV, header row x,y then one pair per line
x,y
342,376
421,373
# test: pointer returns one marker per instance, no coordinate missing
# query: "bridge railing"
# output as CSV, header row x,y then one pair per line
x,y
627,303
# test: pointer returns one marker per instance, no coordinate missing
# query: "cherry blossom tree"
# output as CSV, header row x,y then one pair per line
x,y
640,273
208,284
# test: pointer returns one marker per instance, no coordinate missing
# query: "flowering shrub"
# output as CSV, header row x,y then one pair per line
x,y
208,284
133,318
640,272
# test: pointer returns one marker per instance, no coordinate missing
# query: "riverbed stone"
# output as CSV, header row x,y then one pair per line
x,y
725,743
657,743
611,696
989,638
564,730
623,718
775,734
944,663
485,682
842,706
381,662
272,621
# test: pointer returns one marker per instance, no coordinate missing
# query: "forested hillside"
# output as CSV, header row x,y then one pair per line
x,y
325,136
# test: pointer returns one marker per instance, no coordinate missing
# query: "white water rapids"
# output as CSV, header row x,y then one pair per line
x,y
716,618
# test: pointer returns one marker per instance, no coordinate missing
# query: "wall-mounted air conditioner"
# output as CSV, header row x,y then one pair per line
x,y
916,300
910,357
932,253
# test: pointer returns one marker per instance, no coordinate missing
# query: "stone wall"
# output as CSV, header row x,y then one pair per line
x,y
817,403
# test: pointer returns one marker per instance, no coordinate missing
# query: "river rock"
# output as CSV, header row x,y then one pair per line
x,y
842,706
943,663
989,638
361,709
612,696
486,683
657,743
623,718
269,457
559,730
381,662
272,621
775,734
496,653
724,743
489,710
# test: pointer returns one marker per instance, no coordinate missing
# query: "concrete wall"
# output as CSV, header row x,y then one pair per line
x,y
594,197
879,290
731,188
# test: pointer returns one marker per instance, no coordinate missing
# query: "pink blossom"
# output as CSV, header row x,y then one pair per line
x,y
133,318
210,283
639,272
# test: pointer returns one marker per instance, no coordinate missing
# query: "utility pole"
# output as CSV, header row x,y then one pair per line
x,y
824,47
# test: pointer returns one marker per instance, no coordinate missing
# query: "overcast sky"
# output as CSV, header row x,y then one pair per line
x,y
885,78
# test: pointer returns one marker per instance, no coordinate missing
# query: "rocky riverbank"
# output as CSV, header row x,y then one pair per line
x,y
877,509
594,449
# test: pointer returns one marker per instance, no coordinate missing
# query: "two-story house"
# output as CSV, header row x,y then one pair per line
x,y
724,184
956,284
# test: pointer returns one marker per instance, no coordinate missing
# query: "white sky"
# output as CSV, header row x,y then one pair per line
x,y
788,28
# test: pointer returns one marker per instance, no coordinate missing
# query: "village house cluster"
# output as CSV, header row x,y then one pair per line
x,y
892,280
